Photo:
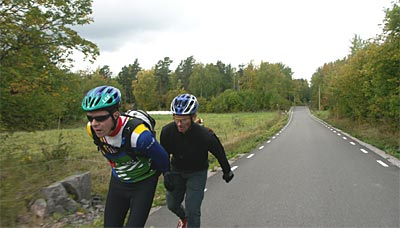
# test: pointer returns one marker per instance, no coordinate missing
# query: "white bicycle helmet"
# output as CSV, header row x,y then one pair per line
x,y
184,104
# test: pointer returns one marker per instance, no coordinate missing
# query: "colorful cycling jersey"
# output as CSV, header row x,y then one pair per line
x,y
126,167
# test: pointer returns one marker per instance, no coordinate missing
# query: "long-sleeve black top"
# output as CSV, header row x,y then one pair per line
x,y
189,150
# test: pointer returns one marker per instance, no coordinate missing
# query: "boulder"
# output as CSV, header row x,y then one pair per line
x,y
79,186
58,200
64,197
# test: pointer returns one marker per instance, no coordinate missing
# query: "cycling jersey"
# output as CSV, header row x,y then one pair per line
x,y
128,168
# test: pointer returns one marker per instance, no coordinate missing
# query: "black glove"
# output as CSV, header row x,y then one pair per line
x,y
228,176
168,181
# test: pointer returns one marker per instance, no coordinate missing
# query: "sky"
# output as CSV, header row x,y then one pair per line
x,y
302,35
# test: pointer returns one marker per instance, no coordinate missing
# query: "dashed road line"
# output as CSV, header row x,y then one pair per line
x,y
382,163
261,147
391,160
234,167
251,155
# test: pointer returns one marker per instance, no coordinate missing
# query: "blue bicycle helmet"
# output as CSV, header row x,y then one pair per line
x,y
102,97
184,104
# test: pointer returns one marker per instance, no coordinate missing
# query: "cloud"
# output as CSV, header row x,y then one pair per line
x,y
117,22
303,35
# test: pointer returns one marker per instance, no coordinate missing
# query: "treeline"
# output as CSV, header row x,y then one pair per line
x,y
41,101
219,87
365,85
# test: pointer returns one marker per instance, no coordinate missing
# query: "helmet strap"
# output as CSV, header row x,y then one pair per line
x,y
115,120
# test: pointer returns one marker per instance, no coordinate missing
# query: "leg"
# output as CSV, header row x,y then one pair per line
x,y
175,198
141,201
117,205
196,183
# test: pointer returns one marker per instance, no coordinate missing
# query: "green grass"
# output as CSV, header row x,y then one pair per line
x,y
30,161
376,135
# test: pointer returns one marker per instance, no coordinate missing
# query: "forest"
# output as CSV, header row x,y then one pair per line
x,y
39,91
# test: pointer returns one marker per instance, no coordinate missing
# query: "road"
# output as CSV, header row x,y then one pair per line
x,y
307,175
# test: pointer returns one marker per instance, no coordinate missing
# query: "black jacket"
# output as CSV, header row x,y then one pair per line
x,y
190,150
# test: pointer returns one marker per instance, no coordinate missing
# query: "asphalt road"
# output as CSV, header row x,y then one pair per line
x,y
307,175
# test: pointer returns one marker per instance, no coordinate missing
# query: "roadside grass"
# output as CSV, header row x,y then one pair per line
x,y
378,135
30,161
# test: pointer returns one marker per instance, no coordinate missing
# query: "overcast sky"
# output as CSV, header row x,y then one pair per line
x,y
303,35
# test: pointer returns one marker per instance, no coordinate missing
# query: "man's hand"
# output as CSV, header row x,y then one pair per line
x,y
168,181
228,176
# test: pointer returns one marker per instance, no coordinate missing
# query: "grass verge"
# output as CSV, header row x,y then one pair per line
x,y
376,135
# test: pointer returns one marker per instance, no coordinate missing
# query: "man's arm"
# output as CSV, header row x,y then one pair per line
x,y
217,149
148,145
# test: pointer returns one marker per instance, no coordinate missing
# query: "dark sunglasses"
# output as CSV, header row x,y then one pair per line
x,y
98,118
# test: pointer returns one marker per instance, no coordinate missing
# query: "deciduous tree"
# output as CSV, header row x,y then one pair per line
x,y
36,41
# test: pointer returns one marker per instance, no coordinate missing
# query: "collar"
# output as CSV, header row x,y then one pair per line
x,y
120,123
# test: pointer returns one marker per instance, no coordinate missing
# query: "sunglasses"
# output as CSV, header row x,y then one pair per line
x,y
181,120
98,118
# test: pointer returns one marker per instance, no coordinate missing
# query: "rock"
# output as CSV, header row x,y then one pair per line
x,y
79,186
39,208
58,199
66,197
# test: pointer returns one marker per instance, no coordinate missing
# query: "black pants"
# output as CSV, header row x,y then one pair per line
x,y
138,197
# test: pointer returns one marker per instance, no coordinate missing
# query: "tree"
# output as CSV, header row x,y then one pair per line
x,y
45,25
356,44
184,71
365,86
391,22
196,83
145,90
162,72
206,81
126,77
105,71
301,92
36,40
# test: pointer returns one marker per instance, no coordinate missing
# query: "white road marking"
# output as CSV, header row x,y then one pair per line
x,y
382,163
274,137
234,167
364,151
353,143
344,138
338,134
251,155
205,189
268,141
261,147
